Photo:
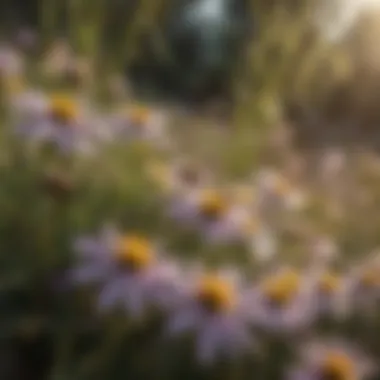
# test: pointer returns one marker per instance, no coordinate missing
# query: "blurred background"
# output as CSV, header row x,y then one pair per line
x,y
275,103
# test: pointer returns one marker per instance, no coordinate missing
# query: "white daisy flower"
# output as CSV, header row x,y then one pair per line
x,y
331,360
212,214
282,302
129,270
60,120
138,122
212,312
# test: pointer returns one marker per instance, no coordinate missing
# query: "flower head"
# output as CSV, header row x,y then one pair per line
x,y
332,361
282,287
128,270
134,253
337,365
139,115
212,312
215,294
212,205
63,109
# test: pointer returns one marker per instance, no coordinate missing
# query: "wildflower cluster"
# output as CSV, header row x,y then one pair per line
x,y
271,286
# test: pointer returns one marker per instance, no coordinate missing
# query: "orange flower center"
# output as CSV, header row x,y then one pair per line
x,y
215,294
63,109
139,116
281,288
134,253
338,366
212,205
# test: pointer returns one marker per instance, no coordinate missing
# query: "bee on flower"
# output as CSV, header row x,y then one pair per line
x,y
282,302
331,360
131,272
211,311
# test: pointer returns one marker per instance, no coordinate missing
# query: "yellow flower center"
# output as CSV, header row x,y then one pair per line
x,y
215,294
139,116
329,283
63,109
134,253
338,366
212,205
281,288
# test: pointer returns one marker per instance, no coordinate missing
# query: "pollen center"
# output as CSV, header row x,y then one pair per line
x,y
212,205
63,110
281,288
338,366
215,294
134,253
